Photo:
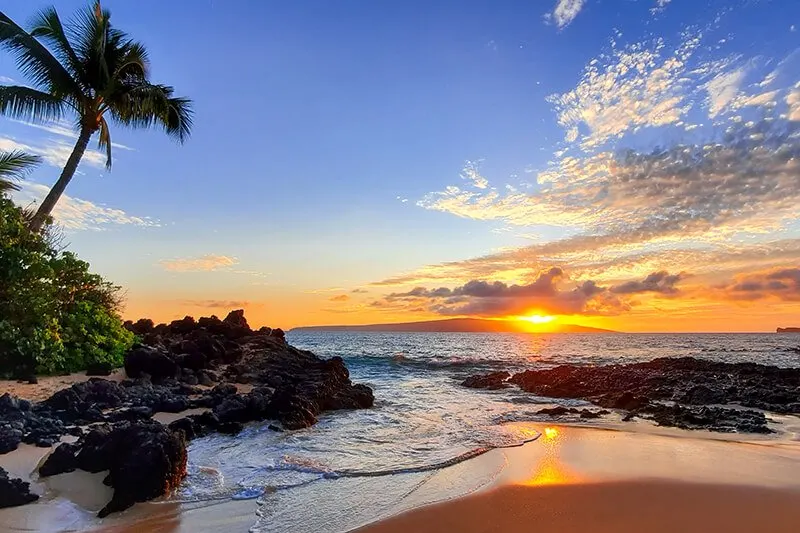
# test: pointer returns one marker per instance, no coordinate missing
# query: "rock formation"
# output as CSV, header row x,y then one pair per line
x,y
683,392
183,365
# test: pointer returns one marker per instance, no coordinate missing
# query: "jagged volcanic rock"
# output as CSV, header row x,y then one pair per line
x,y
650,388
14,492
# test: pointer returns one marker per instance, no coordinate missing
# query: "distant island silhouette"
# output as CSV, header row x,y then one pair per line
x,y
465,325
788,330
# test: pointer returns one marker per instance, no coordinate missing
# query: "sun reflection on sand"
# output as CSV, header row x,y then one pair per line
x,y
551,469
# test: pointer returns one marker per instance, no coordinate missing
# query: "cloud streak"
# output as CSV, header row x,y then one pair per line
x,y
62,129
218,304
54,153
77,214
565,12
205,263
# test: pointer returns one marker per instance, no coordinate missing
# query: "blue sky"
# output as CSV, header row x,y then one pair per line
x,y
327,133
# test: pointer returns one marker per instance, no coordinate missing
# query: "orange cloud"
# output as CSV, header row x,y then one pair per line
x,y
206,263
339,298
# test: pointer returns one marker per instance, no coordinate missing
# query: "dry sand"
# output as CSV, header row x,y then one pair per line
x,y
47,385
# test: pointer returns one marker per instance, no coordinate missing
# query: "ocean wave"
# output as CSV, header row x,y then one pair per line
x,y
403,361
312,472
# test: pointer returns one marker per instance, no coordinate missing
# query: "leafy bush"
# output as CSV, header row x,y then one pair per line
x,y
55,315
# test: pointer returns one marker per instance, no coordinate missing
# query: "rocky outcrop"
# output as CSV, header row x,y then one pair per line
x,y
14,492
144,460
561,411
683,392
492,381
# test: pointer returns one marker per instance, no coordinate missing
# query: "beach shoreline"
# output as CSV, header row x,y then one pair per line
x,y
569,478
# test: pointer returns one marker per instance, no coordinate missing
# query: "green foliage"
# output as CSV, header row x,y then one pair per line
x,y
55,315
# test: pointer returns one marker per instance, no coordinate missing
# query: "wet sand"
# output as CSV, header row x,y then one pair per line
x,y
570,479
617,507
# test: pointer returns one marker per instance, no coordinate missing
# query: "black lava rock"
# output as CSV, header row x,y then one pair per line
x,y
14,492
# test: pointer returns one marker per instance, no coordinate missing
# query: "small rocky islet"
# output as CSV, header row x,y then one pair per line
x,y
187,364
685,392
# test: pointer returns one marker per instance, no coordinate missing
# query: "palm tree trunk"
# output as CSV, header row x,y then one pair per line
x,y
66,175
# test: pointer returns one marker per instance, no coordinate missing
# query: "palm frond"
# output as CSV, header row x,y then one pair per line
x,y
105,141
14,166
146,105
133,61
90,32
24,103
47,26
34,60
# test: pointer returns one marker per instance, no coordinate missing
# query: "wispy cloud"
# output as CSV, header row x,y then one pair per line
x,y
793,102
565,12
77,214
205,263
339,298
471,173
63,129
6,79
54,153
660,6
640,85
218,304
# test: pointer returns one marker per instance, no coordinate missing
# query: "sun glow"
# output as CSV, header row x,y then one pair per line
x,y
537,319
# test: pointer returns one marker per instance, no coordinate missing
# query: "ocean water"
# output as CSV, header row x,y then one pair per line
x,y
359,465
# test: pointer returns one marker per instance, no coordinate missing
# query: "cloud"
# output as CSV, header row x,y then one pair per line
x,y
640,85
54,153
777,284
495,299
743,182
359,291
77,214
6,79
205,263
218,304
793,102
63,129
566,11
658,282
339,298
471,174
723,89
660,6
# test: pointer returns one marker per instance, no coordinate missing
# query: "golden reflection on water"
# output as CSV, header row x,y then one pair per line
x,y
551,469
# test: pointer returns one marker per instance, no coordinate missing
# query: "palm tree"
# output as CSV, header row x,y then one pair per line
x,y
13,166
95,72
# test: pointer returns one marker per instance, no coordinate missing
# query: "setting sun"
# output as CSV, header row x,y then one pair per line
x,y
537,319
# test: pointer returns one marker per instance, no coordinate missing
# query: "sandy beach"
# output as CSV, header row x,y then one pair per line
x,y
632,506
47,385
570,479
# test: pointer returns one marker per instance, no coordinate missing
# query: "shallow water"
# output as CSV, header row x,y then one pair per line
x,y
354,464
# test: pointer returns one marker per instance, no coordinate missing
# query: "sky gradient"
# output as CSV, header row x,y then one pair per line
x,y
633,165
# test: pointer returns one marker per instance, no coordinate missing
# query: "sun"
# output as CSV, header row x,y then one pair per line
x,y
537,319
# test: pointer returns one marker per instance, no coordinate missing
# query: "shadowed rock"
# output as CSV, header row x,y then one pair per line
x,y
14,492
144,460
493,380
649,389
